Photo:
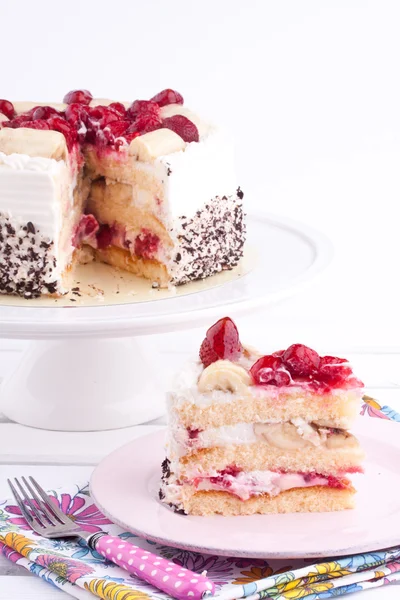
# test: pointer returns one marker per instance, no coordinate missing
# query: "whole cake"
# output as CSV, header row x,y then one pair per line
x,y
261,434
148,187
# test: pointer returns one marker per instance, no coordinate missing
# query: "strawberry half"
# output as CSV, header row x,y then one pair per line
x,y
221,342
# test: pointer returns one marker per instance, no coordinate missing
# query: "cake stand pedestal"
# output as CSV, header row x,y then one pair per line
x,y
84,384
88,369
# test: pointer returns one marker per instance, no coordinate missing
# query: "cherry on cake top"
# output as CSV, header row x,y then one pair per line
x,y
111,126
297,364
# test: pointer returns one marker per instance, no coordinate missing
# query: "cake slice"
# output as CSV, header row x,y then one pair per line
x,y
148,187
261,434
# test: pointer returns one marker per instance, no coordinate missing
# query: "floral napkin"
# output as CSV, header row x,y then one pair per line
x,y
80,571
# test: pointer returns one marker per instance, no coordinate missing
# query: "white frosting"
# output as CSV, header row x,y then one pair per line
x,y
38,190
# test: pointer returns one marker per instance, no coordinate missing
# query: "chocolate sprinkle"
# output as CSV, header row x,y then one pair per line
x,y
27,261
211,241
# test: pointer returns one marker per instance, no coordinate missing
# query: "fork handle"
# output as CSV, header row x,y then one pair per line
x,y
167,576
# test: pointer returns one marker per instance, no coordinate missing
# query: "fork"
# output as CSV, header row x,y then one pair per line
x,y
46,519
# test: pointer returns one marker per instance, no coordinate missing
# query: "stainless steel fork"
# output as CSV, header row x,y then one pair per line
x,y
44,517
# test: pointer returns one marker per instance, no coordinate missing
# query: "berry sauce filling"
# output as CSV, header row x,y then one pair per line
x,y
101,236
245,484
298,365
111,127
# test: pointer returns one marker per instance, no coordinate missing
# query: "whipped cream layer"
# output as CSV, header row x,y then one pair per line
x,y
296,434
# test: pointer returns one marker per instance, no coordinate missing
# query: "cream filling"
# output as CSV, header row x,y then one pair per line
x,y
292,435
253,483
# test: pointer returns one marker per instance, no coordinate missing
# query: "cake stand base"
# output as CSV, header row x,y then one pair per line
x,y
84,385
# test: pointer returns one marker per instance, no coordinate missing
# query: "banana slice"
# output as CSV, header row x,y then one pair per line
x,y
315,436
33,142
226,376
281,435
340,440
157,143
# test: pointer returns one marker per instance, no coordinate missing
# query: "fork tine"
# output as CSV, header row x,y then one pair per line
x,y
25,513
64,519
31,505
50,517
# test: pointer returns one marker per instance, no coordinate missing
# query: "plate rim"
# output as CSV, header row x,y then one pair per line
x,y
33,325
374,545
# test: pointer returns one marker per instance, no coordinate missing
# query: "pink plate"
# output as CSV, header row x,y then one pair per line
x,y
125,487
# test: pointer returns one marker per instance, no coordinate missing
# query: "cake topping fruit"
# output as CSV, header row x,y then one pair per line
x,y
119,108
145,122
270,370
139,107
78,96
168,96
226,376
44,112
38,124
104,237
221,342
61,125
301,360
7,108
334,370
183,127
86,229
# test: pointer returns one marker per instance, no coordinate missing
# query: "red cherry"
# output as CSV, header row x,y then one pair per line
x,y
61,125
270,370
146,244
279,353
78,96
100,116
38,124
142,106
333,370
183,127
301,361
44,112
104,237
222,342
86,228
7,108
17,122
119,108
167,96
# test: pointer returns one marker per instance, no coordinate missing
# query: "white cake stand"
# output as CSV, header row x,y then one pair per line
x,y
86,369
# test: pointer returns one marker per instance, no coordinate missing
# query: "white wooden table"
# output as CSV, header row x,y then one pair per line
x,y
60,458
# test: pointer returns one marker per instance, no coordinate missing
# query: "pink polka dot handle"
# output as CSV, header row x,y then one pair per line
x,y
172,579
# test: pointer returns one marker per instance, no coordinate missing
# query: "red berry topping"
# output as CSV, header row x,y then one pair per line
x,y
87,227
142,106
168,97
61,125
39,124
78,96
270,370
333,370
301,361
146,244
104,237
7,108
183,127
145,123
119,108
207,354
44,112
75,112
221,342
17,122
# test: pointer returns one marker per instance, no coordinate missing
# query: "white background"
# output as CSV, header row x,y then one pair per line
x,y
310,91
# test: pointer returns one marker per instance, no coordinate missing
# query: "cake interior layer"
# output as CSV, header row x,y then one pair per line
x,y
312,499
336,408
123,259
